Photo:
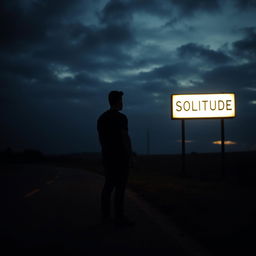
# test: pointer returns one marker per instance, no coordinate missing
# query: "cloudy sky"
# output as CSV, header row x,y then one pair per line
x,y
59,60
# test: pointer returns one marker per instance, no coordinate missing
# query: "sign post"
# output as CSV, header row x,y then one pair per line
x,y
183,149
203,106
222,147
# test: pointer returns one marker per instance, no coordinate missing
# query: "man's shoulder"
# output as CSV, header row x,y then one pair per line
x,y
112,114
112,119
121,115
104,115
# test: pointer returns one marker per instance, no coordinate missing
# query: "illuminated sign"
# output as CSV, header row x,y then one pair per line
x,y
213,105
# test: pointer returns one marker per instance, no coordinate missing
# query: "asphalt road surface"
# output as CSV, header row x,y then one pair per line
x,y
56,210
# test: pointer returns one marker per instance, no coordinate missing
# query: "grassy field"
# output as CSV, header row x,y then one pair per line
x,y
219,211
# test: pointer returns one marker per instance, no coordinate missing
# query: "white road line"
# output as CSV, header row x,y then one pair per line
x,y
34,191
49,182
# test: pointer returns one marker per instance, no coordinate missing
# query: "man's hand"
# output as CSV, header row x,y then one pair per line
x,y
132,160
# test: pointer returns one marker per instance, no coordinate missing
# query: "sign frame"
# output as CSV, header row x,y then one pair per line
x,y
198,118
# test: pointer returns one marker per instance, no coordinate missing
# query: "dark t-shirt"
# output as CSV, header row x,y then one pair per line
x,y
110,126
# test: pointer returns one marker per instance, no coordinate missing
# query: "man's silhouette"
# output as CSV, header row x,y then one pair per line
x,y
116,152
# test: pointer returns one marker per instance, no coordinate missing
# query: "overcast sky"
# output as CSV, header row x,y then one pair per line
x,y
60,59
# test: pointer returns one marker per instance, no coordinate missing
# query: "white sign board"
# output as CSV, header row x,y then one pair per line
x,y
193,106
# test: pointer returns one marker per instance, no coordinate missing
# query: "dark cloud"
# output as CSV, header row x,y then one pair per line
x,y
25,25
25,68
116,12
119,12
169,71
189,7
160,87
167,8
76,39
80,46
232,77
245,3
200,52
246,47
152,7
38,42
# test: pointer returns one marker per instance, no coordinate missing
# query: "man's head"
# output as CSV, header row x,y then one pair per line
x,y
115,100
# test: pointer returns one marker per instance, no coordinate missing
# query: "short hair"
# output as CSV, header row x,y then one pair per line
x,y
114,97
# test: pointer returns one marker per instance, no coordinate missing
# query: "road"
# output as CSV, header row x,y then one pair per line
x,y
47,209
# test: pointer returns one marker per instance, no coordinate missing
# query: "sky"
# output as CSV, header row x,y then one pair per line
x,y
60,59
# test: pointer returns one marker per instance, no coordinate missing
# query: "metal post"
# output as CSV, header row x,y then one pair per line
x,y
183,149
223,148
148,142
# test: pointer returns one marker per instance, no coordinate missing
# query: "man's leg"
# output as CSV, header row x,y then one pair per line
x,y
120,219
106,197
120,187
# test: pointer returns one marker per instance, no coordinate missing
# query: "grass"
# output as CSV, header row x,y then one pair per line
x,y
217,211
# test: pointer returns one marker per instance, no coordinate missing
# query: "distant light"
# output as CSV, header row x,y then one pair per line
x,y
213,105
251,88
226,142
253,102
186,141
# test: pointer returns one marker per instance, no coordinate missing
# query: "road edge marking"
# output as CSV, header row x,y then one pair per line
x,y
34,191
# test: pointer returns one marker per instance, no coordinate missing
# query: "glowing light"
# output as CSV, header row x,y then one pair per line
x,y
253,102
189,106
226,142
186,141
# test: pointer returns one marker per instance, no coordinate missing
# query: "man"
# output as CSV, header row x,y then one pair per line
x,y
116,152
